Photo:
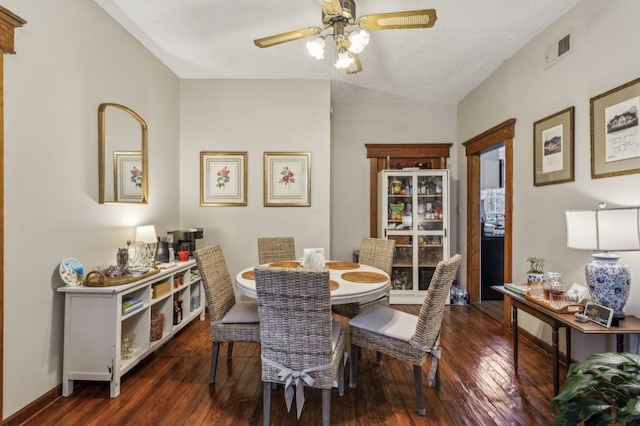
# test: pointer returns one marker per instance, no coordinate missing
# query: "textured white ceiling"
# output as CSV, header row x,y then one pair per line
x,y
214,39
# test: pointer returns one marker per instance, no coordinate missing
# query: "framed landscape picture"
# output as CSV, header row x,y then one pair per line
x,y
287,179
223,178
553,148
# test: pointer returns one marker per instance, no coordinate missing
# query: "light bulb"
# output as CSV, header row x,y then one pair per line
x,y
359,40
316,48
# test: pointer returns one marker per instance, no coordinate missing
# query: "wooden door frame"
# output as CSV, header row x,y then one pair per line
x,y
8,23
503,132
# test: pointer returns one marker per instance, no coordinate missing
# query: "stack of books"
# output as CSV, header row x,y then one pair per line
x,y
518,288
130,304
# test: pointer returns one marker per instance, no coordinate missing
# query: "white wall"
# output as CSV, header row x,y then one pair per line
x,y
255,116
71,57
353,126
602,57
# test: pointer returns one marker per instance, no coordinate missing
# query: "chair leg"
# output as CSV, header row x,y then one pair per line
x,y
266,403
353,367
326,407
215,348
341,376
379,358
229,351
417,375
437,378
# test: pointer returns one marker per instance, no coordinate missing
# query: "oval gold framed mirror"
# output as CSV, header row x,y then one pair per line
x,y
122,155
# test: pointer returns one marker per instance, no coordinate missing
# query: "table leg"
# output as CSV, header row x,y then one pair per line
x,y
620,342
568,332
514,321
556,360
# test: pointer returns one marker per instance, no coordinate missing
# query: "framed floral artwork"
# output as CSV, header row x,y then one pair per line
x,y
127,167
287,179
615,136
553,148
223,178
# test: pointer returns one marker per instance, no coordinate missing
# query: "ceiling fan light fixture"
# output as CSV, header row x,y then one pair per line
x,y
344,60
316,48
358,40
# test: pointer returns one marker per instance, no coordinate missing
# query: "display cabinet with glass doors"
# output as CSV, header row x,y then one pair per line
x,y
414,211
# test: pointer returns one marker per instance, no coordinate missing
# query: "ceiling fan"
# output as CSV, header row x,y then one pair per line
x,y
350,34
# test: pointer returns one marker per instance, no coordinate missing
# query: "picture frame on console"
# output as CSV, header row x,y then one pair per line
x,y
223,178
615,135
287,179
553,148
127,179
599,314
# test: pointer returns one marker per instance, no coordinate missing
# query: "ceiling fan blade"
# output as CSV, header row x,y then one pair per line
x,y
331,7
286,37
356,67
399,20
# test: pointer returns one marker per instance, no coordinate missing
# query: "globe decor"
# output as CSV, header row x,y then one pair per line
x,y
606,230
609,282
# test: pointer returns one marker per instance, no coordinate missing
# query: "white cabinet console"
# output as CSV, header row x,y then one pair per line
x,y
108,330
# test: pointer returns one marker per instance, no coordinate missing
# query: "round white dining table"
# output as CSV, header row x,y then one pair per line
x,y
356,283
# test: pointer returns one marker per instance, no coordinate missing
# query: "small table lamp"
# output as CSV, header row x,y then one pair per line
x,y
606,230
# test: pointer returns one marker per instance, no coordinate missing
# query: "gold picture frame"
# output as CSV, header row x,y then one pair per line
x,y
553,148
223,178
287,179
615,135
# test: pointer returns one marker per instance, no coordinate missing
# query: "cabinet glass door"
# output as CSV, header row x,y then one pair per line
x,y
431,214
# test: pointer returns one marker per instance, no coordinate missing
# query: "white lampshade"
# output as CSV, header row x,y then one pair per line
x,y
316,48
344,60
146,233
604,230
358,40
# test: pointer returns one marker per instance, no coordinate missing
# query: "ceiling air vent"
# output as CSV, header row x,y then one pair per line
x,y
557,51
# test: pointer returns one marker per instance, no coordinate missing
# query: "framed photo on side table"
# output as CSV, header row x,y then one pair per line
x,y
615,139
127,167
553,148
599,314
287,179
223,178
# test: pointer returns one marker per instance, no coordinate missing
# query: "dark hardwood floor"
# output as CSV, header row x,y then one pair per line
x,y
479,385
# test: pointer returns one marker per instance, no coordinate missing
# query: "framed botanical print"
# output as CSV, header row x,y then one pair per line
x,y
223,178
287,179
127,166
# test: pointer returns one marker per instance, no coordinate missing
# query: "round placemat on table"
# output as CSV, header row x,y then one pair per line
x,y
248,275
285,264
333,285
342,265
364,277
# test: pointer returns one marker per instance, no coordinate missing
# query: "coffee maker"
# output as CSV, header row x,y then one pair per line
x,y
186,240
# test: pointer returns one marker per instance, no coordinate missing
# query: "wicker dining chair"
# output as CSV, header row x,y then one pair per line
x,y
405,336
300,344
230,321
376,252
276,249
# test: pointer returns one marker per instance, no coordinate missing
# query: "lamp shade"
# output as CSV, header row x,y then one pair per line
x,y
146,233
604,230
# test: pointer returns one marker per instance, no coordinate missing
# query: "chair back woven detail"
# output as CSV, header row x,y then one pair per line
x,y
377,252
432,309
295,318
276,249
216,281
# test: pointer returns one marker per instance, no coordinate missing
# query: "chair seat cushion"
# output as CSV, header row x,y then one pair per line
x,y
336,327
387,322
241,313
